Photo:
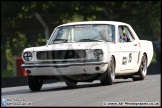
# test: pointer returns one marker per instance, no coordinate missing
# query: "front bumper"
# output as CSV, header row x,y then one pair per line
x,y
65,69
62,65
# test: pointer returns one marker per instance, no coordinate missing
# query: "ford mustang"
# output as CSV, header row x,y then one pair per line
x,y
87,51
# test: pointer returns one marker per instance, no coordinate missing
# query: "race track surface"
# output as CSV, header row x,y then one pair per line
x,y
123,92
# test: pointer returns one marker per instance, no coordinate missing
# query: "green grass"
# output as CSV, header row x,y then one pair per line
x,y
7,73
153,59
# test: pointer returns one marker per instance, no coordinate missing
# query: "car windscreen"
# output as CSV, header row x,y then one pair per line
x,y
83,33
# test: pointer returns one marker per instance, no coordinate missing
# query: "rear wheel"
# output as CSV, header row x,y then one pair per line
x,y
35,83
141,74
109,75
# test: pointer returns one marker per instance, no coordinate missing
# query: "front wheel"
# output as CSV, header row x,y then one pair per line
x,y
35,83
109,75
141,74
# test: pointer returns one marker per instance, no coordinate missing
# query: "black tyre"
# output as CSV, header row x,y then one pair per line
x,y
141,74
35,83
109,75
70,83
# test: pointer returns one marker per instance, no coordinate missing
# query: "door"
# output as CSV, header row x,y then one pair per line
x,y
129,49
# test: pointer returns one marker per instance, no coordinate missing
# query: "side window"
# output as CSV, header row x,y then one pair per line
x,y
120,34
124,32
129,35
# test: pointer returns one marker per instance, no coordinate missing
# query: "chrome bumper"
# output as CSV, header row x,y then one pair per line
x,y
62,65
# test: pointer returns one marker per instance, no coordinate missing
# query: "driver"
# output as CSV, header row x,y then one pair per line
x,y
124,34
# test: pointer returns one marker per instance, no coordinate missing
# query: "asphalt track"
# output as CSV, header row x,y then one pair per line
x,y
124,92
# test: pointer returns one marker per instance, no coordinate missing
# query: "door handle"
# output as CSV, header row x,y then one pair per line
x,y
135,44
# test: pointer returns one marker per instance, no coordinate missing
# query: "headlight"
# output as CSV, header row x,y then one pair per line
x,y
98,53
27,56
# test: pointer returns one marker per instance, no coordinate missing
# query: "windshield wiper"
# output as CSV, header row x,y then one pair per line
x,y
62,41
91,40
65,40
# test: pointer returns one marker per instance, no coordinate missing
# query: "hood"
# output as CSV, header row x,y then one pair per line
x,y
66,46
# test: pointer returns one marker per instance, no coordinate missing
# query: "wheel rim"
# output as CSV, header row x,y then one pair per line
x,y
143,65
112,69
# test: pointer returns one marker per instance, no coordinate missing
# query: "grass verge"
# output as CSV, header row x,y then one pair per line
x,y
7,73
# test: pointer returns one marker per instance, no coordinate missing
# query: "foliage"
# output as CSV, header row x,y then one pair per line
x,y
7,73
154,58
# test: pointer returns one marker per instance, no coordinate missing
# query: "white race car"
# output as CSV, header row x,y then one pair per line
x,y
88,51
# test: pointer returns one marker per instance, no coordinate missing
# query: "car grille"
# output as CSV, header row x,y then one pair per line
x,y
61,54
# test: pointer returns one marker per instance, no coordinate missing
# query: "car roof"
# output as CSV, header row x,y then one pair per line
x,y
95,22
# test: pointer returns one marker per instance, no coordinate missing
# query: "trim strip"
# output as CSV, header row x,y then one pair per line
x,y
62,65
